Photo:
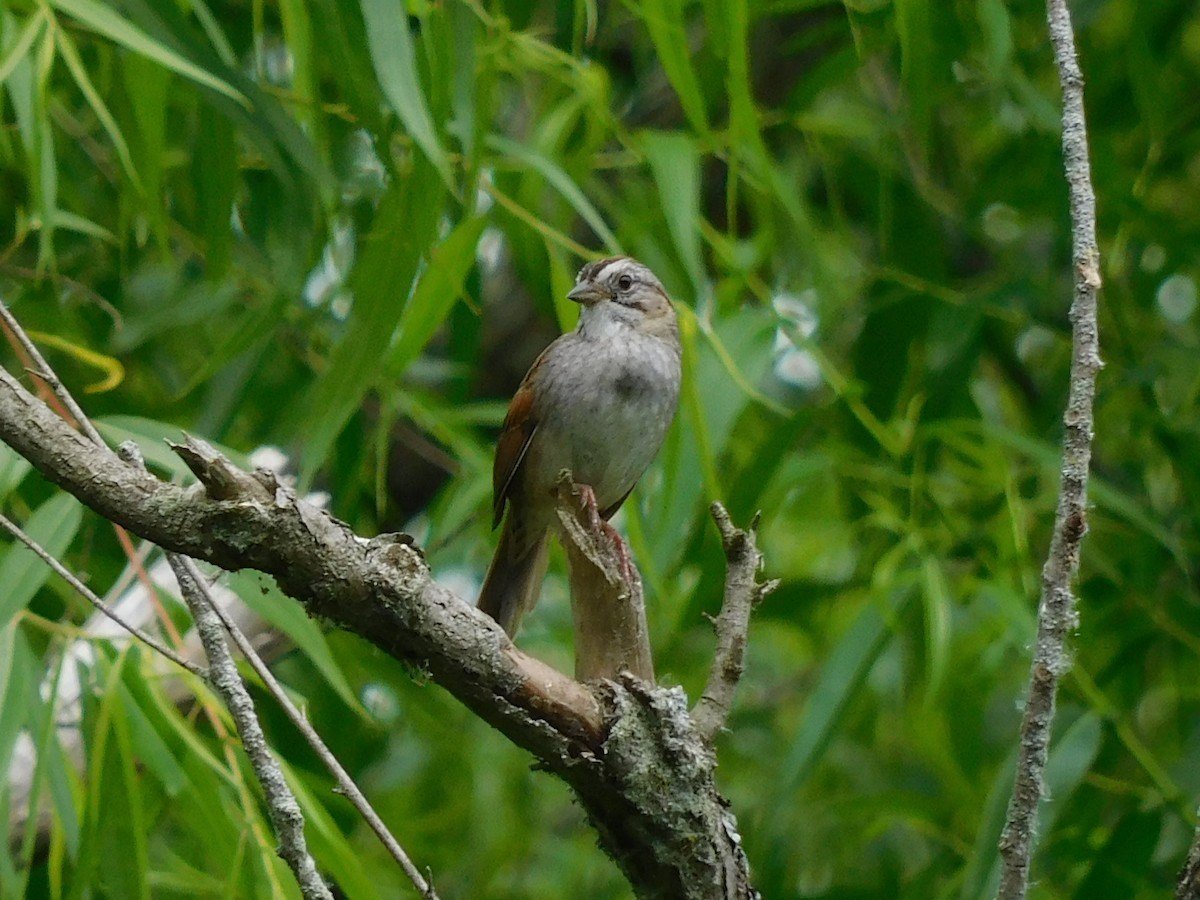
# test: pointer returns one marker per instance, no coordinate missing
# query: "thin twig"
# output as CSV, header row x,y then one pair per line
x,y
345,784
282,807
90,596
47,374
742,592
1057,615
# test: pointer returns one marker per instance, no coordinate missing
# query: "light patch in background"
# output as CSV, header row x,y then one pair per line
x,y
381,702
1001,223
794,365
1034,343
326,283
1153,259
1176,298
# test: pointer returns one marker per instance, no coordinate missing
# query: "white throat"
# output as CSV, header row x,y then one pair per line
x,y
604,321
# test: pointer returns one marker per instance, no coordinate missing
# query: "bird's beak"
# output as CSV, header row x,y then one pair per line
x,y
587,293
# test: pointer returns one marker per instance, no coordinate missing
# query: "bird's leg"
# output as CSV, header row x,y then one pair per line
x,y
598,524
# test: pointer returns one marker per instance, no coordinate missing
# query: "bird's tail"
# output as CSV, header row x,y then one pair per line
x,y
514,580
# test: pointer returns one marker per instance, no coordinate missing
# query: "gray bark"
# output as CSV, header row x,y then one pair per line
x,y
629,750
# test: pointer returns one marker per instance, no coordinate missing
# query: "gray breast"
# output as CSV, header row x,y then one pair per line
x,y
629,383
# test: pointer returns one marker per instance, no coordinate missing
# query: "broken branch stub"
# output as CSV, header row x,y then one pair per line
x,y
607,606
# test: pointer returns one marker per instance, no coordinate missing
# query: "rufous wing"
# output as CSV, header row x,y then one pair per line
x,y
515,437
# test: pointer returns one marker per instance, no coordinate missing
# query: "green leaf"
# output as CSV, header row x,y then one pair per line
x,y
439,288
842,674
216,174
147,744
936,603
382,281
1119,867
52,526
69,221
19,677
53,768
13,469
289,617
675,164
328,842
665,22
915,28
70,56
996,25
109,23
115,833
19,47
561,182
1071,758
151,437
394,56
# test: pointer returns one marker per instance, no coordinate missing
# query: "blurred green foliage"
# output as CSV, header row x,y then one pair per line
x,y
346,228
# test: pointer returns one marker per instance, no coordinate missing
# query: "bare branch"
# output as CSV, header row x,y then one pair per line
x,y
284,811
621,748
742,592
380,589
48,375
607,607
90,596
1187,887
1057,614
345,784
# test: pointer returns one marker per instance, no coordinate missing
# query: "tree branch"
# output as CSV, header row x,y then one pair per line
x,y
628,750
1057,614
282,808
607,607
345,784
90,596
742,592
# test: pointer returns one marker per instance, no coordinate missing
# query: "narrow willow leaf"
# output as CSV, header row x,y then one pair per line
x,y
936,600
114,372
290,618
439,288
731,366
29,33
53,526
675,163
13,469
1067,767
562,279
116,817
842,675
19,676
112,25
148,745
147,85
70,56
297,32
404,227
394,57
69,221
664,21
42,152
561,182
328,842
151,437
53,768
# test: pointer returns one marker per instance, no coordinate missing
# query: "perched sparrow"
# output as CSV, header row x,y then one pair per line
x,y
598,401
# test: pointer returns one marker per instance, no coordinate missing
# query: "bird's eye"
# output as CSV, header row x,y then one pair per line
x,y
625,282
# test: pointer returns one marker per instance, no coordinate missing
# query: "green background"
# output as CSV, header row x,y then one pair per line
x,y
331,228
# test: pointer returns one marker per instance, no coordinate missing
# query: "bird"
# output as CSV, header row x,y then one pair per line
x,y
598,401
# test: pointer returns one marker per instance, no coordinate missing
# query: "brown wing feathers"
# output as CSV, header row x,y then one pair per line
x,y
515,437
